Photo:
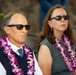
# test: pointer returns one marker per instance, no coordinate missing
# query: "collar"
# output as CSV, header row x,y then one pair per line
x,y
14,47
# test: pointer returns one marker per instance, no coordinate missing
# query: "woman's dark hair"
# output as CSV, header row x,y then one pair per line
x,y
46,30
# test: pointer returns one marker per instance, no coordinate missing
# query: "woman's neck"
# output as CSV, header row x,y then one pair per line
x,y
58,36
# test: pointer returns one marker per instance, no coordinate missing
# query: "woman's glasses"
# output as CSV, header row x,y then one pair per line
x,y
59,17
20,26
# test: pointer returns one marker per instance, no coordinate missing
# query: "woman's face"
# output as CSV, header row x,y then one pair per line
x,y
59,20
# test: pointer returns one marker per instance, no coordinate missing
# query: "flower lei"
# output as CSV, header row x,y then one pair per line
x,y
68,54
13,60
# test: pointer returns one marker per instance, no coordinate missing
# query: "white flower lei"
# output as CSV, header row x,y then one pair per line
x,y
13,60
69,58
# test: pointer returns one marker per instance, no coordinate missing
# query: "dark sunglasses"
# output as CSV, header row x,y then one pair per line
x,y
59,17
20,26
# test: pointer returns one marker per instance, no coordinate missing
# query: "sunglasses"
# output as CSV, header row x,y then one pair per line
x,y
59,17
20,26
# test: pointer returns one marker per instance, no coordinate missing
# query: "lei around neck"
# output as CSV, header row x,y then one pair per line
x,y
67,53
13,60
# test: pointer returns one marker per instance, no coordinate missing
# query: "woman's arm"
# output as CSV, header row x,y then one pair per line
x,y
45,60
74,73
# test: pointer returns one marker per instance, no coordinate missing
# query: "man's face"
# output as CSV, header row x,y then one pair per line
x,y
16,36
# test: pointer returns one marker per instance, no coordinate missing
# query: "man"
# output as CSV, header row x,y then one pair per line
x,y
15,57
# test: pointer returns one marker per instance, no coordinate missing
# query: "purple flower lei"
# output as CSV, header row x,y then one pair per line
x,y
69,58
13,60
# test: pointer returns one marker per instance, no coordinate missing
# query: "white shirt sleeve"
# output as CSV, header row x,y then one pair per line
x,y
37,68
2,70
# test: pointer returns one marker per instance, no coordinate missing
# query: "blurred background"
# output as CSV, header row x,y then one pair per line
x,y
32,9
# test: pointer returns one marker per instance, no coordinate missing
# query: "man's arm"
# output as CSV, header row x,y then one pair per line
x,y
2,70
45,4
37,68
64,3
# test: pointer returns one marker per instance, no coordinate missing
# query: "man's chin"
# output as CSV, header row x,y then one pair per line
x,y
22,42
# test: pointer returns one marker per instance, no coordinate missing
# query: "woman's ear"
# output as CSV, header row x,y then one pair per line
x,y
6,29
49,23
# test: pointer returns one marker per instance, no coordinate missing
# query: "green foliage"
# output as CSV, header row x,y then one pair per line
x,y
2,15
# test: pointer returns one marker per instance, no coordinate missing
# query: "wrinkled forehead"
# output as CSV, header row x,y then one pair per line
x,y
58,11
18,19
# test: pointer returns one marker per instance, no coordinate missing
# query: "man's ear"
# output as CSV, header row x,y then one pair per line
x,y
7,29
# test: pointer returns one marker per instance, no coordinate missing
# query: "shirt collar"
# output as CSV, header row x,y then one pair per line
x,y
14,47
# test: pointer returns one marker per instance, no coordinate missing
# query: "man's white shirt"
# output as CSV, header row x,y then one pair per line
x,y
15,48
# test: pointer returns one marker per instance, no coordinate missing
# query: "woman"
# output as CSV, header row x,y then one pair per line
x,y
55,52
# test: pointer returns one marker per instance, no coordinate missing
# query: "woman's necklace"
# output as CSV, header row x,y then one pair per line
x,y
13,60
69,55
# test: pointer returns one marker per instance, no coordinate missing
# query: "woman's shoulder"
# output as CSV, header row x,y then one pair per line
x,y
46,42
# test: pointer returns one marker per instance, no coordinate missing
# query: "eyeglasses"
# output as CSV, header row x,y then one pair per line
x,y
20,26
59,17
